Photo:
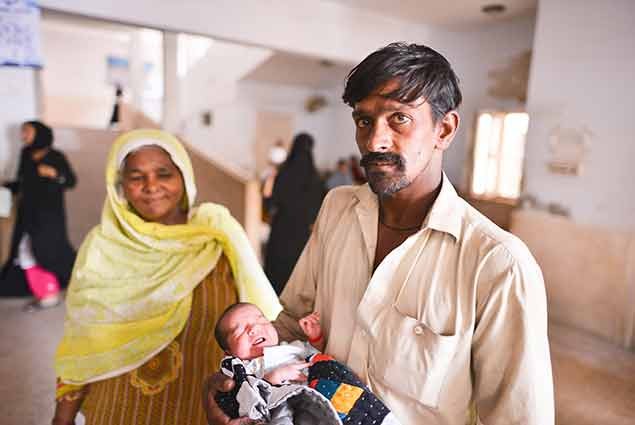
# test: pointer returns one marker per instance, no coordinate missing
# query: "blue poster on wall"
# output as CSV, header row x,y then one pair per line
x,y
20,33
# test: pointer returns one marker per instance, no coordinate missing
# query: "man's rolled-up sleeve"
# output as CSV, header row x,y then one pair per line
x,y
298,296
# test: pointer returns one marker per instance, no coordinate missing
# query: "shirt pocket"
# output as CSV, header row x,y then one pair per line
x,y
412,359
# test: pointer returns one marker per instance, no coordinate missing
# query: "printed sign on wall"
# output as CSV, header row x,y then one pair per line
x,y
20,33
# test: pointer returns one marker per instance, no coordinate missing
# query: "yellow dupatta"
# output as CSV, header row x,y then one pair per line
x,y
131,289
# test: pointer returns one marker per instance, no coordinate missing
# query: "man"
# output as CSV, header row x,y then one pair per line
x,y
441,312
341,176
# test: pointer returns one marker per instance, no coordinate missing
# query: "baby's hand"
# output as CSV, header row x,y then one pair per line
x,y
291,372
311,326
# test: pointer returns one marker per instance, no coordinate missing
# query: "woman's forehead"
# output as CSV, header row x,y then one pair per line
x,y
147,156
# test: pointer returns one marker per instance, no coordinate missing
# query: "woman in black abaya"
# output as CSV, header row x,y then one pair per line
x,y
41,255
296,199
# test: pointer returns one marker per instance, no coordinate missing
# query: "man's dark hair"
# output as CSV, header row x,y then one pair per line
x,y
420,71
221,334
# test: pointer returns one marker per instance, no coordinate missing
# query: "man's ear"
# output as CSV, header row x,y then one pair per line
x,y
446,129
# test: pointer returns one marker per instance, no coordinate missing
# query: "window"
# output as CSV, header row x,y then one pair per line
x,y
499,148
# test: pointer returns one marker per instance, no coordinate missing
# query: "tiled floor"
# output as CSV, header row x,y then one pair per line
x,y
27,380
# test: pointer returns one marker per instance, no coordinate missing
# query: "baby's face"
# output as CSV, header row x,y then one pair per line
x,y
248,332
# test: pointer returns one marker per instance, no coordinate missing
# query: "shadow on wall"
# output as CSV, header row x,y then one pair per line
x,y
13,148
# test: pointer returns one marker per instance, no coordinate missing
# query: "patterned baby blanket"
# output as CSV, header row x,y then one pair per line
x,y
334,396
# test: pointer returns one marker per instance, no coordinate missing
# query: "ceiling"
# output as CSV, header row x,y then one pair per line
x,y
448,13
289,69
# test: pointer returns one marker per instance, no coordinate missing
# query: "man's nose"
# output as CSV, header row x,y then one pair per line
x,y
380,138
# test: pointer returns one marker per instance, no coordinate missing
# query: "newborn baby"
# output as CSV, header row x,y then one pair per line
x,y
271,377
244,333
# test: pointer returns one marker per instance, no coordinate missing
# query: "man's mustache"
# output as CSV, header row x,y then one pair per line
x,y
373,158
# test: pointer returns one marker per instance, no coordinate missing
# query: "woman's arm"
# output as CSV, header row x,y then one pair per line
x,y
58,170
69,399
66,411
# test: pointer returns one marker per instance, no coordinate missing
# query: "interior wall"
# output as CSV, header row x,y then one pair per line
x,y
79,92
320,29
18,104
76,92
581,77
345,34
291,100
474,55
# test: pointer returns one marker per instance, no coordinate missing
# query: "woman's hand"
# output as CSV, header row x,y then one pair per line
x,y
215,415
47,171
289,373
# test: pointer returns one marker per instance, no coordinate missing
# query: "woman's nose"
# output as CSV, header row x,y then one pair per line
x,y
151,184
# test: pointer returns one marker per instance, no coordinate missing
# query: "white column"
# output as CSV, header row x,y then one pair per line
x,y
172,111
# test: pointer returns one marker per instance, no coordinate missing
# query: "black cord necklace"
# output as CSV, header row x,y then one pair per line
x,y
400,229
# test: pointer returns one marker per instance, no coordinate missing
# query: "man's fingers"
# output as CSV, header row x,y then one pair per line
x,y
215,383
220,382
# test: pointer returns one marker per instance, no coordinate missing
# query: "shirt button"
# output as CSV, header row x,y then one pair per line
x,y
418,330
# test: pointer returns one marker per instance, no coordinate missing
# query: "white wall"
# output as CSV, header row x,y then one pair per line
x,y
473,54
17,104
232,135
315,28
75,87
333,31
582,75
291,100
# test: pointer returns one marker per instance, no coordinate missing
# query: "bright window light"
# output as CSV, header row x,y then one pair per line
x,y
499,148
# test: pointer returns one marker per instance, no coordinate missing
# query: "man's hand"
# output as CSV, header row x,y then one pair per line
x,y
311,326
289,373
215,415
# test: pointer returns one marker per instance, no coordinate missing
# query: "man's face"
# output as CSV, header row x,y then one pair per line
x,y
396,140
248,332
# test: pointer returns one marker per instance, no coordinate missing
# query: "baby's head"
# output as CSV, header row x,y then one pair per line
x,y
243,331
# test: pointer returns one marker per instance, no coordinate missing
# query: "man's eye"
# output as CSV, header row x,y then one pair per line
x,y
401,118
135,178
362,122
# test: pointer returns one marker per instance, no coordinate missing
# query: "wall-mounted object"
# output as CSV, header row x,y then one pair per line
x,y
117,71
315,103
207,118
569,147
511,81
20,33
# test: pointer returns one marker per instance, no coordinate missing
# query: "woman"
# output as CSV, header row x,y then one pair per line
x,y
296,198
147,288
41,254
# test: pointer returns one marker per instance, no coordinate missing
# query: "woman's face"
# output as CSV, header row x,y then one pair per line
x,y
154,186
27,134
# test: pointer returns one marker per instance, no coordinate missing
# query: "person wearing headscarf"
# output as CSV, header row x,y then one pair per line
x,y
41,256
148,285
297,196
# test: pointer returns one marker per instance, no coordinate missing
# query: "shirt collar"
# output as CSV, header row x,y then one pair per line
x,y
445,215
